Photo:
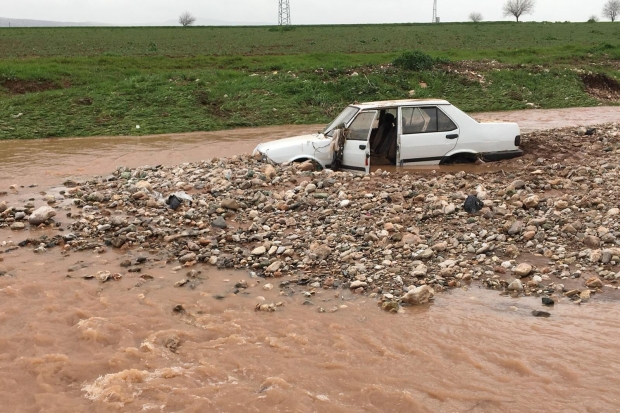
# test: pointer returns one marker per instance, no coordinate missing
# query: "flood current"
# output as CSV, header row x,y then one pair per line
x,y
69,343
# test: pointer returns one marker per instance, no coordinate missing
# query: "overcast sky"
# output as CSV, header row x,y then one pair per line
x,y
302,11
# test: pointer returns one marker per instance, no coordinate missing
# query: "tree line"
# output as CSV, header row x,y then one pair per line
x,y
517,8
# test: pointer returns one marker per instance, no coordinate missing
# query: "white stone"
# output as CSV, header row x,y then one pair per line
x,y
41,215
418,295
259,250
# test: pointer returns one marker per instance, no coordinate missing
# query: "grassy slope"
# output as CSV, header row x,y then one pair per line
x,y
108,80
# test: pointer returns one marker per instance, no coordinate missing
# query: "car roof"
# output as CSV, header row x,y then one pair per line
x,y
403,102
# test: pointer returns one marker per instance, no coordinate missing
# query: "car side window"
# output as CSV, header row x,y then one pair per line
x,y
361,126
413,121
425,120
444,123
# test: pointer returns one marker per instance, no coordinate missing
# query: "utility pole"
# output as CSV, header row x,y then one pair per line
x,y
284,13
434,11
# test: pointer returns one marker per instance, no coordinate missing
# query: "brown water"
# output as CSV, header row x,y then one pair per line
x,y
48,161
69,344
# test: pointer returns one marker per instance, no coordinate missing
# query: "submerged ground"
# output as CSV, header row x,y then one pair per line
x,y
122,81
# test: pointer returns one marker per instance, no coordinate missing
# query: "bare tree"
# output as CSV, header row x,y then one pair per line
x,y
611,9
186,19
475,17
518,7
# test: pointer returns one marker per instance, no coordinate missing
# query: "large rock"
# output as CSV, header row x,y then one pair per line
x,y
531,201
259,250
418,295
3,206
16,226
357,284
275,266
516,228
187,257
592,241
522,270
230,203
613,212
219,222
144,185
594,282
426,254
41,215
270,172
516,285
322,251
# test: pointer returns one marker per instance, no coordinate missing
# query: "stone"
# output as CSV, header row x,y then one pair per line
x,y
357,284
275,266
594,282
219,222
40,215
426,254
188,257
592,241
613,212
144,185
517,184
516,228
538,313
16,226
3,206
531,201
229,203
259,250
449,209
322,251
441,246
310,188
515,285
418,295
585,295
306,166
548,301
270,172
570,229
522,270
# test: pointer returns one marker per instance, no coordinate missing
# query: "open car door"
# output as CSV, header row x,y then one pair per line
x,y
356,153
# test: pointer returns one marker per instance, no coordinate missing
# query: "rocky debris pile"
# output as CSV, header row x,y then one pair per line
x,y
548,223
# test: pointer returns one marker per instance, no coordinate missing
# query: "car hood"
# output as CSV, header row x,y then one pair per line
x,y
292,142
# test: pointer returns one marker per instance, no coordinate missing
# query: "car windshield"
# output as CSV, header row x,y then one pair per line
x,y
345,117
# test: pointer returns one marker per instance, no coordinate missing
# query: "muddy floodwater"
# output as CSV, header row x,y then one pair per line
x,y
48,161
137,343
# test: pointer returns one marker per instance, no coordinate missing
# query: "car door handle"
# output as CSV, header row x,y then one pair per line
x,y
362,147
453,136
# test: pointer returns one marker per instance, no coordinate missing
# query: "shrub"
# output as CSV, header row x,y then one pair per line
x,y
416,61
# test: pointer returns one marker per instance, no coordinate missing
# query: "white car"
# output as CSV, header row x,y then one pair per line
x,y
399,132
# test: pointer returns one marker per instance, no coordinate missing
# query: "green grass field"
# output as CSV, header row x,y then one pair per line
x,y
105,81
